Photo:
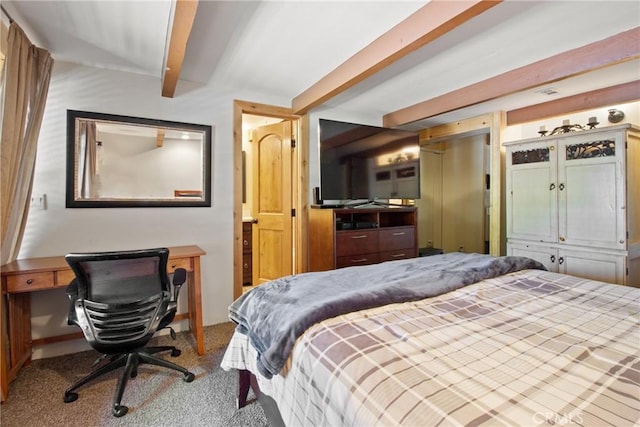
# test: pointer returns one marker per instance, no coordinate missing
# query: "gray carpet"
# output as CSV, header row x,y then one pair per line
x,y
156,397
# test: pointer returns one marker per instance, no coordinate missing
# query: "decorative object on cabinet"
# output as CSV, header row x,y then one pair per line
x,y
359,236
615,116
572,202
568,127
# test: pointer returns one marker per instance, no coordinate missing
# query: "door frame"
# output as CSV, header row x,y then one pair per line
x,y
492,124
299,182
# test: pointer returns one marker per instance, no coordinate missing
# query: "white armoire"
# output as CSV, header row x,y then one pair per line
x,y
573,202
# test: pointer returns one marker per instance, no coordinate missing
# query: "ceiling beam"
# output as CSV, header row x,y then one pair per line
x,y
618,94
435,19
183,17
613,50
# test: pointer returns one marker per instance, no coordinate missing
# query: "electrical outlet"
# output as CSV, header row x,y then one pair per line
x,y
39,202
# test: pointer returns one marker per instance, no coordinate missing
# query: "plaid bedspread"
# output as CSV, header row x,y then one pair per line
x,y
528,348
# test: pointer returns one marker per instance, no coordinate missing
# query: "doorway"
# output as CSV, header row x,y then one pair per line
x,y
266,242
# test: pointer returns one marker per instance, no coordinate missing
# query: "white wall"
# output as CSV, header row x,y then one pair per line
x,y
57,230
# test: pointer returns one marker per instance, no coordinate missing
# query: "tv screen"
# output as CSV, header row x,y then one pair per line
x,y
368,162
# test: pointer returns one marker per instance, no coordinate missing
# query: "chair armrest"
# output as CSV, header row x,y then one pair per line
x,y
179,277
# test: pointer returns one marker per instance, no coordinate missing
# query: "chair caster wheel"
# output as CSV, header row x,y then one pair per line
x,y
188,377
175,352
120,410
70,397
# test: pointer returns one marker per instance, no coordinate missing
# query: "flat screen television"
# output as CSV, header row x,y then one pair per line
x,y
367,162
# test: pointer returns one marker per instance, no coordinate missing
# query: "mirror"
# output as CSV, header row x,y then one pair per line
x,y
120,161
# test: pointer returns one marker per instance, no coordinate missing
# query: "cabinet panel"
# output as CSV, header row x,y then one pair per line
x,y
545,255
606,267
590,265
531,192
591,192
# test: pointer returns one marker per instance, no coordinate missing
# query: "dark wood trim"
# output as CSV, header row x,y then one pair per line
x,y
428,23
626,92
613,50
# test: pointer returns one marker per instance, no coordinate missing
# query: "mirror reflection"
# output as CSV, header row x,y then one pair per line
x,y
119,161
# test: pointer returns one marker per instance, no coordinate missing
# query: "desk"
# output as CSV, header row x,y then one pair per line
x,y
21,277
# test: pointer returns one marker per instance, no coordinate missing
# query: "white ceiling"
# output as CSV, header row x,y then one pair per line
x,y
283,47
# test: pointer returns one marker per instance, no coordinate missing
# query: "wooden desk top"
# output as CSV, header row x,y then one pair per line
x,y
59,263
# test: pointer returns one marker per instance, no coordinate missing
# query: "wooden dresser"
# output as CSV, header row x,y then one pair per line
x,y
355,236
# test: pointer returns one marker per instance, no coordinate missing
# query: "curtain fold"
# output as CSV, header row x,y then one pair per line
x,y
88,167
26,85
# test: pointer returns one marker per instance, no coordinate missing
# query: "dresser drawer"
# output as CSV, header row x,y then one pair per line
x,y
64,277
397,238
398,254
356,242
247,270
29,281
353,260
179,263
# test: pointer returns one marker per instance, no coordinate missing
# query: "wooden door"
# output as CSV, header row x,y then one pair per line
x,y
463,190
272,202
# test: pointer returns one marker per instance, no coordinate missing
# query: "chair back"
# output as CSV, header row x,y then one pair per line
x,y
122,296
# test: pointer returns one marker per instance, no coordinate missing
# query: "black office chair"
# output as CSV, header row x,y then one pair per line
x,y
120,300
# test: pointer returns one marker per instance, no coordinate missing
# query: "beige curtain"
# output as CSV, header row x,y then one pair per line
x,y
26,84
89,164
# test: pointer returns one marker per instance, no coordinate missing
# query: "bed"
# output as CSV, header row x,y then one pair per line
x,y
507,345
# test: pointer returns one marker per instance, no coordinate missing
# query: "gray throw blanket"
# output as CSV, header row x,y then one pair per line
x,y
276,313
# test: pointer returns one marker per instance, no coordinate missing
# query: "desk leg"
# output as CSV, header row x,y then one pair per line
x,y
195,306
19,330
16,338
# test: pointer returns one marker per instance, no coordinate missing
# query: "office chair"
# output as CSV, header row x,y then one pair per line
x,y
119,300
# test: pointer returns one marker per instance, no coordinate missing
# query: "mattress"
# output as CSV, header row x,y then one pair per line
x,y
526,348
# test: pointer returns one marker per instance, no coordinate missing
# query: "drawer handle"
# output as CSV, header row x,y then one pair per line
x,y
173,266
246,242
359,260
29,281
246,265
399,233
359,237
398,255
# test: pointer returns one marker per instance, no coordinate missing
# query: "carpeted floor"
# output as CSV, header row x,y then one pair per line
x,y
156,397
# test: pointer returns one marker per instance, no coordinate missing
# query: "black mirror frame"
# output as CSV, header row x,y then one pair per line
x,y
71,202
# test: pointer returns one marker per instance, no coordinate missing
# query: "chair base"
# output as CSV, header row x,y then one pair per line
x,y
130,361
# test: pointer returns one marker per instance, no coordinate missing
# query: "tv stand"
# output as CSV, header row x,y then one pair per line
x,y
364,235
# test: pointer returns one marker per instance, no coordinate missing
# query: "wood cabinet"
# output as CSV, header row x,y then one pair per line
x,y
573,202
354,236
247,270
